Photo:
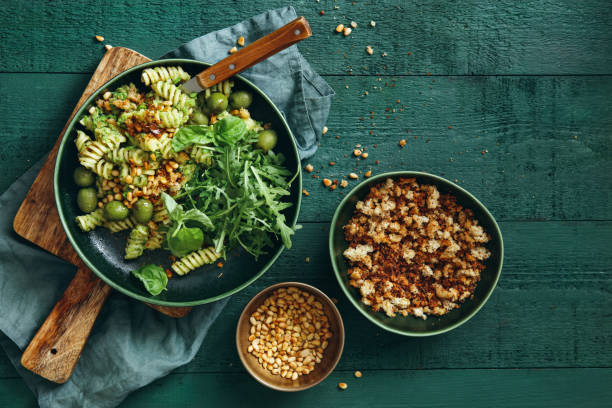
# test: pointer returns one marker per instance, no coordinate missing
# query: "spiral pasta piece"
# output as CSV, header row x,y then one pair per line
x,y
126,155
171,119
165,147
171,93
92,154
194,260
152,75
136,241
156,239
90,221
116,226
225,87
202,156
160,215
111,137
81,140
104,169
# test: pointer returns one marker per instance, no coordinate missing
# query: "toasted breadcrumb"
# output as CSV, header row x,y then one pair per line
x,y
413,250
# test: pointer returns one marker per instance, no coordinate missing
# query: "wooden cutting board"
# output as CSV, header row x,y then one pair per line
x,y
56,347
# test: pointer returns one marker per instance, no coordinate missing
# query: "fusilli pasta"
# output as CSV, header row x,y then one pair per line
x,y
136,241
152,75
194,260
90,221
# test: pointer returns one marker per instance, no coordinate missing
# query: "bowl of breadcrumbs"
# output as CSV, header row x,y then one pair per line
x,y
415,253
290,336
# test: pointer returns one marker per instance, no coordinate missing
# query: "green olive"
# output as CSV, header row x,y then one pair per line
x,y
87,200
217,102
198,118
115,211
267,140
241,99
83,177
142,211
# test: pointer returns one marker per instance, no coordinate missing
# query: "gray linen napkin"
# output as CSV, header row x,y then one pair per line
x,y
131,344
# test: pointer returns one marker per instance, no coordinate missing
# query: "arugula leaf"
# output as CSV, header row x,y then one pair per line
x,y
183,241
229,130
191,134
153,277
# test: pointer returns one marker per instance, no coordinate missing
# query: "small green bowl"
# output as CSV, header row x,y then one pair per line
x,y
410,325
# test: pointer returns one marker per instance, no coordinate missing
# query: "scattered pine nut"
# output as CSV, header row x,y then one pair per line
x,y
108,47
99,38
306,193
368,173
369,50
327,182
384,54
358,374
354,176
357,152
347,31
372,23
107,95
233,50
309,168
343,183
353,24
342,386
240,41
324,131
307,260
364,155
402,143
339,28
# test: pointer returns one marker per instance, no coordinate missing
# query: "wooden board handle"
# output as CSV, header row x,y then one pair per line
x,y
56,347
250,55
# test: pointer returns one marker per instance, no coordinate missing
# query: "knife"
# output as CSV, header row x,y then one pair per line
x,y
265,47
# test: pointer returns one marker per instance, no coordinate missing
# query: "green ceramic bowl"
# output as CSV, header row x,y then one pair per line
x,y
413,326
103,252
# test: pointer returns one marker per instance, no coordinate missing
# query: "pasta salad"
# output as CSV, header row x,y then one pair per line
x,y
190,173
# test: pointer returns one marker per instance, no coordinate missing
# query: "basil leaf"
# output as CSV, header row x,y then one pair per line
x,y
190,135
229,130
184,240
174,210
198,216
153,277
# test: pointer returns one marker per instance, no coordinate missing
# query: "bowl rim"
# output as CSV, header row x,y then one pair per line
x,y
64,222
308,288
354,302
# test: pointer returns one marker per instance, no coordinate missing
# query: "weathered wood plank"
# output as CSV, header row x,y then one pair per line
x,y
461,37
570,388
547,141
551,308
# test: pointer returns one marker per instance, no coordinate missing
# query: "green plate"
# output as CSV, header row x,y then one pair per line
x,y
103,252
410,325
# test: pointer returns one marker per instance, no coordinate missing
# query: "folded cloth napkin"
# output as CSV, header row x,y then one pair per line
x,y
131,344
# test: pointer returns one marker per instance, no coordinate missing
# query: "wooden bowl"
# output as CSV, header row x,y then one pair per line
x,y
331,355
410,325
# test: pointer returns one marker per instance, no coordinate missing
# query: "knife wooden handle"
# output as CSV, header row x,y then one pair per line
x,y
253,53
56,347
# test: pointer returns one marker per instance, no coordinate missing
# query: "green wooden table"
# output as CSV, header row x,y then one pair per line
x,y
510,99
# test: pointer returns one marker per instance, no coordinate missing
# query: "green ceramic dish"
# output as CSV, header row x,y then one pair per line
x,y
103,252
413,326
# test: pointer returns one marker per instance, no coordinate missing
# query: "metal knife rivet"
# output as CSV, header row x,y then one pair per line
x,y
212,76
232,66
297,32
